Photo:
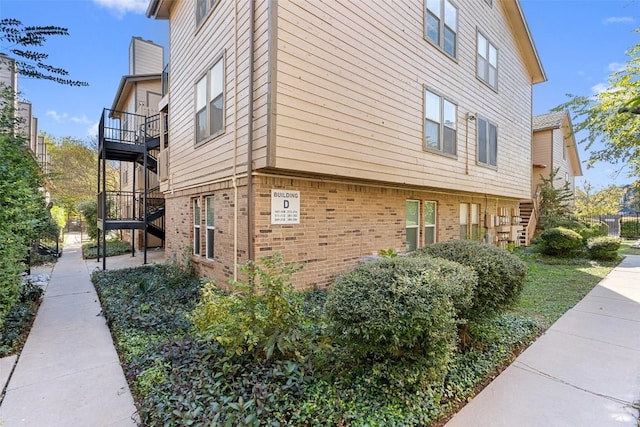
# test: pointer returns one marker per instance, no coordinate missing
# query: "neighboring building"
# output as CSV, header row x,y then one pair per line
x,y
554,149
27,124
137,99
328,131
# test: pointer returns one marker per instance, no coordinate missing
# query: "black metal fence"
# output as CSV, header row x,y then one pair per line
x,y
626,226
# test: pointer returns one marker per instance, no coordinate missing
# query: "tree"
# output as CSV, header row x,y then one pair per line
x,y
590,202
30,62
605,116
23,215
74,168
556,198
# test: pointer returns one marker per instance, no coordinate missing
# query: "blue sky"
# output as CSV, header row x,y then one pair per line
x,y
579,42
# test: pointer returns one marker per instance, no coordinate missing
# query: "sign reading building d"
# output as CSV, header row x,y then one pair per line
x,y
285,207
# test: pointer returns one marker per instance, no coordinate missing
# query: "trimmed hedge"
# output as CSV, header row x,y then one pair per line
x,y
400,307
501,275
603,248
560,241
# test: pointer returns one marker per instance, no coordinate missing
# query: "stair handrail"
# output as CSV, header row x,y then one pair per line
x,y
535,214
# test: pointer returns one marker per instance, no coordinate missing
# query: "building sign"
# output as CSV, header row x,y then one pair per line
x,y
285,207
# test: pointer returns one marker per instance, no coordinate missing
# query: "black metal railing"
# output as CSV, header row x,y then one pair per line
x,y
151,127
122,127
128,205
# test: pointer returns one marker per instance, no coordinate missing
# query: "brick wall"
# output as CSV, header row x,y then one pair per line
x,y
340,223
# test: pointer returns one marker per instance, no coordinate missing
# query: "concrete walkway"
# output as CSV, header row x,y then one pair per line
x,y
68,373
584,371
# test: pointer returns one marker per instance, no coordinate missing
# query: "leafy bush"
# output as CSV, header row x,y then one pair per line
x,y
400,308
262,316
560,241
15,327
143,305
596,229
501,275
629,228
89,210
114,247
603,248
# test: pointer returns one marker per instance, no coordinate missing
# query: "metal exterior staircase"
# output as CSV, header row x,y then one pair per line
x,y
134,138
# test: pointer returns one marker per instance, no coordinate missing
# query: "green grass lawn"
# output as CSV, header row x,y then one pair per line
x,y
626,249
555,285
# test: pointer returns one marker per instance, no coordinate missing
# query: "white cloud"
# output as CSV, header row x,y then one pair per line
x,y
66,118
82,120
124,6
599,88
58,117
616,66
619,20
93,130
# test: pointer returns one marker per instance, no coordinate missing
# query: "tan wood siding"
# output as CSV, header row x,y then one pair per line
x,y
541,155
350,95
146,57
193,50
560,163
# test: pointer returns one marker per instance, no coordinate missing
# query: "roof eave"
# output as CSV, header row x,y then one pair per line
x,y
126,83
525,41
159,9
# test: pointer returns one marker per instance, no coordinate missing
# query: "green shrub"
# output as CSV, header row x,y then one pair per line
x,y
114,248
629,228
89,210
560,241
596,229
501,275
400,308
603,248
262,316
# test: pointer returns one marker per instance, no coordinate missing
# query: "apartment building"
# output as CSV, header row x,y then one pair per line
x,y
328,131
555,150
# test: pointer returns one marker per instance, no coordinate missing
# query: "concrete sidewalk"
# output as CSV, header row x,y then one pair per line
x,y
68,373
584,371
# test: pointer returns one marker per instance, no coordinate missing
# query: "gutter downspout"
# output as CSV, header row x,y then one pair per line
x,y
235,144
250,213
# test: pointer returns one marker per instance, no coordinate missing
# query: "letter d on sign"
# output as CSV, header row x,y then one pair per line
x,y
286,204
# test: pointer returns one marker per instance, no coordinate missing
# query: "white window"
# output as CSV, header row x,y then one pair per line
x,y
475,221
487,62
470,221
196,226
210,102
210,223
430,212
464,221
439,123
412,224
487,143
441,25
203,7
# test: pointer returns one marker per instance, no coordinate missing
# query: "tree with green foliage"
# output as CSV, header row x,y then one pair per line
x,y
19,41
590,202
23,214
556,200
605,117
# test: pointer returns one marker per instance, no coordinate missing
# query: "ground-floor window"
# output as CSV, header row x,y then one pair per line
x,y
196,226
210,223
430,209
470,221
413,224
